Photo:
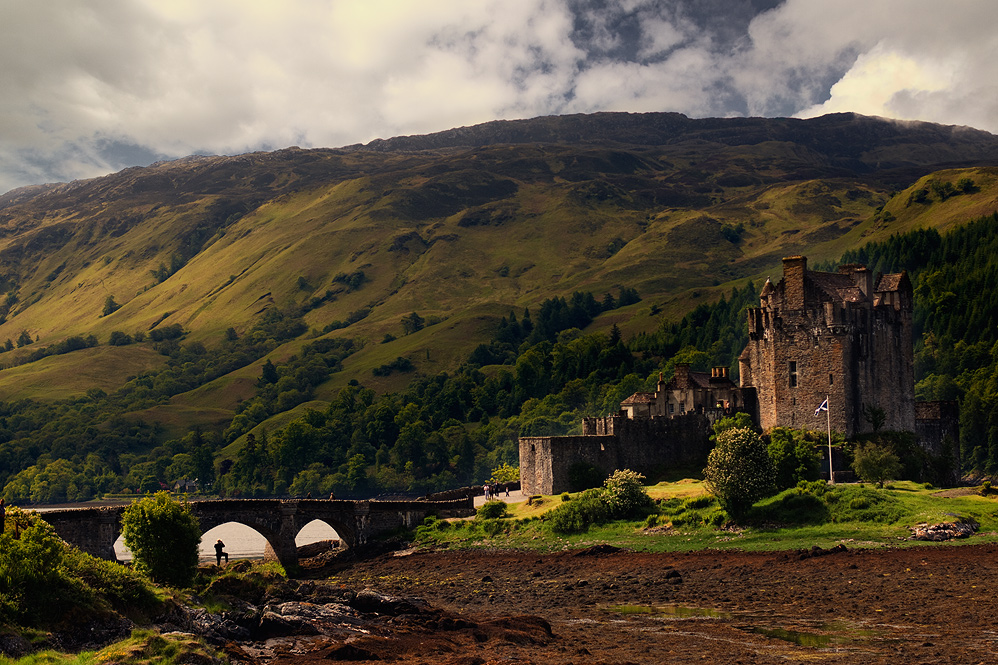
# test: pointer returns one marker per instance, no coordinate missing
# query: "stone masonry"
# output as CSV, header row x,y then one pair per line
x,y
845,337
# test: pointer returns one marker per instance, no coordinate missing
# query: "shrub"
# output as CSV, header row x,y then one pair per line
x,y
794,456
163,536
491,510
697,502
739,470
621,496
492,528
42,580
578,515
625,494
876,463
565,496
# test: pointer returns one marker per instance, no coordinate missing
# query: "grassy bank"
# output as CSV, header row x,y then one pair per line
x,y
684,518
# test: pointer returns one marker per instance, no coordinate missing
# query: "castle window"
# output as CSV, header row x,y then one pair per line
x,y
831,379
793,373
672,408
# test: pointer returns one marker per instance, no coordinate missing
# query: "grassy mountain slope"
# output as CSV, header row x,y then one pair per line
x,y
461,227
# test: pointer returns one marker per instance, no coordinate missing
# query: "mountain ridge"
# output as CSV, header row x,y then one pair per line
x,y
460,233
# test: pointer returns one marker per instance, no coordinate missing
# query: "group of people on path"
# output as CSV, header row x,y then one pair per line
x,y
492,490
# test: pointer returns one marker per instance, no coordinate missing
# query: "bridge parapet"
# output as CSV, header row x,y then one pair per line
x,y
95,530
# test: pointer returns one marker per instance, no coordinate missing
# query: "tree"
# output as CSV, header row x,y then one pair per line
x,y
739,470
874,415
412,323
163,536
119,338
110,306
876,463
24,339
794,455
505,473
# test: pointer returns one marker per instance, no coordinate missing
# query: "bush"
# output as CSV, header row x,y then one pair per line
x,y
577,516
491,510
794,455
739,470
42,581
625,494
163,536
621,496
876,463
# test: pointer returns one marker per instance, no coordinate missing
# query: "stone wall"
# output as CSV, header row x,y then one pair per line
x,y
616,442
937,426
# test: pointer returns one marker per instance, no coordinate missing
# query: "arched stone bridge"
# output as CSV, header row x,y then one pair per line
x,y
95,530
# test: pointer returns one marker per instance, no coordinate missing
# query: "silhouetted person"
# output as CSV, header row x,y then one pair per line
x,y
220,552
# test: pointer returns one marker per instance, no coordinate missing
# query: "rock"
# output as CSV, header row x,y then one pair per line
x,y
277,625
351,652
377,603
943,531
14,646
596,550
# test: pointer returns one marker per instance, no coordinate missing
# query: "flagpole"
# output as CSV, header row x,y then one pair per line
x,y
828,420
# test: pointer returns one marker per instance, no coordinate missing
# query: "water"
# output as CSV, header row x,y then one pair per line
x,y
242,542
822,635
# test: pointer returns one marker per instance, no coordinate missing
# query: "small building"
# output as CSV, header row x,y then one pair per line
x,y
687,391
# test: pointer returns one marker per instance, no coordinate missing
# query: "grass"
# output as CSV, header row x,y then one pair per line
x,y
73,374
325,222
855,515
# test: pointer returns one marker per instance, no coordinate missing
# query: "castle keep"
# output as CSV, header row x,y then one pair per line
x,y
844,336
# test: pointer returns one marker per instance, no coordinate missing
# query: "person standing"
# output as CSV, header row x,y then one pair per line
x,y
220,552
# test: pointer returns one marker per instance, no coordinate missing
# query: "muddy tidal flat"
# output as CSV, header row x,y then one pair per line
x,y
914,605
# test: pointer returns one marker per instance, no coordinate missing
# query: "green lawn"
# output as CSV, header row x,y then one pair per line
x,y
854,515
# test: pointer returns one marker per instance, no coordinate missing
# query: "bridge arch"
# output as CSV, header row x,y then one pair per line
x,y
95,530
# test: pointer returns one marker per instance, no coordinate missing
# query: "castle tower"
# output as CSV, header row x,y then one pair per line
x,y
846,336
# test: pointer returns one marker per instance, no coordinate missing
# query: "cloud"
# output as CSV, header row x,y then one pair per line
x,y
92,87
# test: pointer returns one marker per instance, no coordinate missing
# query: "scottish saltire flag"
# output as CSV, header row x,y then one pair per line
x,y
823,407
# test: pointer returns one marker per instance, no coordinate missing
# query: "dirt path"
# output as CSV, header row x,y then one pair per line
x,y
920,605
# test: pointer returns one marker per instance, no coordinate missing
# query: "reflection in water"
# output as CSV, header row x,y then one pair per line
x,y
242,542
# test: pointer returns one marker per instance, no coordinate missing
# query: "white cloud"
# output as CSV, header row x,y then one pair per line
x,y
88,85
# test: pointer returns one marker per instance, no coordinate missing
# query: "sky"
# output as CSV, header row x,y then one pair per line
x,y
88,87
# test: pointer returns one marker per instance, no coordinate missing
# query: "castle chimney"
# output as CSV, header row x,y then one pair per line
x,y
863,278
682,376
794,269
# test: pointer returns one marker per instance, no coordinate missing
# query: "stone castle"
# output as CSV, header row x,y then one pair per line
x,y
845,337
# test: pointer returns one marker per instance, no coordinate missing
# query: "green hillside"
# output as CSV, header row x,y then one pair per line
x,y
150,302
